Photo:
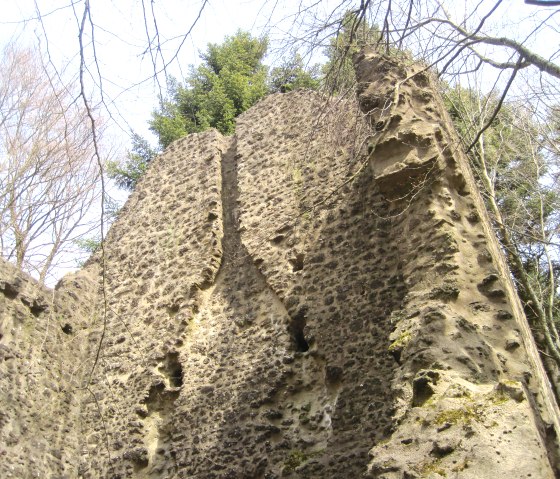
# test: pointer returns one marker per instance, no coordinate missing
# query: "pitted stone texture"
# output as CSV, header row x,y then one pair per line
x,y
466,430
313,297
313,221
451,320
42,348
161,253
297,154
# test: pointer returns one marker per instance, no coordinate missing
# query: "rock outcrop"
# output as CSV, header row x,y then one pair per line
x,y
318,296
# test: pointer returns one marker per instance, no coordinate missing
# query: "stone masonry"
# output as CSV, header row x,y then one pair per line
x,y
318,296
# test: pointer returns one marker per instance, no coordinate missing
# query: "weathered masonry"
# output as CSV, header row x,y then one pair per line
x,y
318,296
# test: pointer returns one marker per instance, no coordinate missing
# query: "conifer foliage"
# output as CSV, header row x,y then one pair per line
x,y
230,79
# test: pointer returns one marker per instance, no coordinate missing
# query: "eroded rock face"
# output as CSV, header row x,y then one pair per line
x,y
466,388
313,297
43,353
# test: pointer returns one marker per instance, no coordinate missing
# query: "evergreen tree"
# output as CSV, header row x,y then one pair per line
x,y
230,80
127,174
292,75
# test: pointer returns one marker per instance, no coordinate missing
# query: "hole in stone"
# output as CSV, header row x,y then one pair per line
x,y
139,458
67,329
422,387
10,291
396,353
301,342
420,79
173,309
278,239
141,464
441,451
333,374
36,309
297,327
297,262
173,370
154,396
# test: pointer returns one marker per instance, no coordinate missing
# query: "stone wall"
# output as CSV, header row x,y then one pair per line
x,y
43,351
316,296
470,400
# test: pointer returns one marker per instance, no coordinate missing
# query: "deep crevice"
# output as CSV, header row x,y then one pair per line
x,y
172,370
233,246
297,331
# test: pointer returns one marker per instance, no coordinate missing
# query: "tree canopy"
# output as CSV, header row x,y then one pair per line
x,y
126,174
230,79
292,74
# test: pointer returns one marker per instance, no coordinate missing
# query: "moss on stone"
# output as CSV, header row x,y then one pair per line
x,y
399,343
295,458
464,415
427,469
471,410
498,398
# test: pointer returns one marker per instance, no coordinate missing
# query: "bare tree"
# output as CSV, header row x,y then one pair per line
x,y
515,159
48,181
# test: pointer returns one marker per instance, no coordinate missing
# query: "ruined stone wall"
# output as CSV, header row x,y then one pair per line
x,y
470,400
160,257
315,296
43,351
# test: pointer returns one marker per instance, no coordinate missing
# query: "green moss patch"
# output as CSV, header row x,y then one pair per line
x,y
399,343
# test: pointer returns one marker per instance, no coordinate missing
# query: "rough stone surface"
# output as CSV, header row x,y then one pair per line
x,y
317,296
43,343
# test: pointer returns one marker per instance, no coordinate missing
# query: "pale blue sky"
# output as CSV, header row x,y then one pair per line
x,y
126,68
121,39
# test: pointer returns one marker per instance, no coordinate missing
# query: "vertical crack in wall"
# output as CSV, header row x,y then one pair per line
x,y
279,361
158,416
231,242
235,254
157,411
300,408
236,280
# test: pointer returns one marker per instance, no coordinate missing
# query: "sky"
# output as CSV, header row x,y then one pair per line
x,y
121,40
125,68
